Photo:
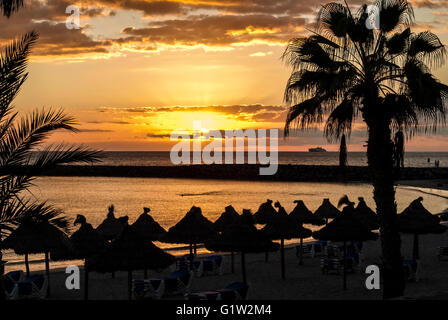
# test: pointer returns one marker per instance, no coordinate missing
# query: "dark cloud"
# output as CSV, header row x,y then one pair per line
x,y
219,30
254,112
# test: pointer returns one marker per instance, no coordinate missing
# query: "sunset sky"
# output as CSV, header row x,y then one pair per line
x,y
138,69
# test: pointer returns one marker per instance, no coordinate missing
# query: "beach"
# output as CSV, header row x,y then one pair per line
x,y
302,282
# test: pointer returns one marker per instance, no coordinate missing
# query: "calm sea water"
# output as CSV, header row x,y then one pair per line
x,y
170,199
412,159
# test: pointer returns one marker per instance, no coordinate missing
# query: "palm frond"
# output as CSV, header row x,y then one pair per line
x,y
7,7
394,13
30,132
304,114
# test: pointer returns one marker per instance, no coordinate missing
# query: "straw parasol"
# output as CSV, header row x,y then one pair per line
x,y
327,211
243,238
228,217
345,228
192,229
147,227
284,227
247,217
36,236
86,242
265,212
127,253
111,227
417,220
303,215
366,215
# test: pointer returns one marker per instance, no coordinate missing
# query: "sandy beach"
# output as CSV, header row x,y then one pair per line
x,y
302,282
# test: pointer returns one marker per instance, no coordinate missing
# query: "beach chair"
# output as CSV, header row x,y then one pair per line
x,y
443,253
148,288
212,265
330,264
15,276
10,287
411,269
178,282
234,291
33,287
204,296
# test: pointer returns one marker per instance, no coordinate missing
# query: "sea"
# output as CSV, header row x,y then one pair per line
x,y
169,199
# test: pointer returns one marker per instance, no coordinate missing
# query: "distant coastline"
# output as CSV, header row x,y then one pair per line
x,y
241,172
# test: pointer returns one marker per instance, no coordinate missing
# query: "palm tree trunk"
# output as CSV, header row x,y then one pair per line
x,y
47,271
27,265
86,282
380,160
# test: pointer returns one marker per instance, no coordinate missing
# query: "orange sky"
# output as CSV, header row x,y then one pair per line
x,y
139,69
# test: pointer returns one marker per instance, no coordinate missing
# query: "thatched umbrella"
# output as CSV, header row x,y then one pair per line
x,y
302,215
416,220
147,227
242,238
111,227
327,211
366,215
192,229
345,228
127,253
86,242
228,217
265,212
36,236
247,217
284,227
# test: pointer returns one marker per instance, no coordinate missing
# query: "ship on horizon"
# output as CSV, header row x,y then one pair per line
x,y
317,149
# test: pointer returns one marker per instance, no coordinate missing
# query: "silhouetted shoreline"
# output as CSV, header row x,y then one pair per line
x,y
240,172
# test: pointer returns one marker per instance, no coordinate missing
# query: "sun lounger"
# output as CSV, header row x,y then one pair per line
x,y
178,282
234,291
10,281
443,253
10,287
312,250
207,296
411,268
148,288
33,287
212,265
15,276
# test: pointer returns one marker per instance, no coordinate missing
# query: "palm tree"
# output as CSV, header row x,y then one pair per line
x,y
20,138
346,70
343,153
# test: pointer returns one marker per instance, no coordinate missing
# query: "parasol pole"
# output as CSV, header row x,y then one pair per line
x,y
282,253
344,265
243,266
27,265
415,254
